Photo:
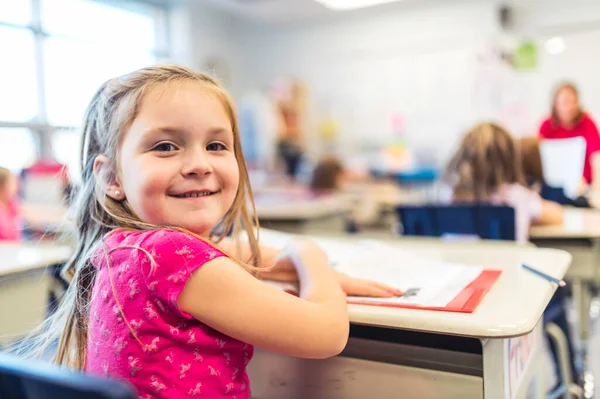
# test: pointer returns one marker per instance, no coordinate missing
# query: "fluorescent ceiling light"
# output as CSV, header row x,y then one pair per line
x,y
352,4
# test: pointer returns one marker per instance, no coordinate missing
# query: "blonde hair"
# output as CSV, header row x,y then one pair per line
x,y
109,115
487,158
529,148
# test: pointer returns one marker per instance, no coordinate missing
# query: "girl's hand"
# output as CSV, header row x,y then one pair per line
x,y
284,271
357,287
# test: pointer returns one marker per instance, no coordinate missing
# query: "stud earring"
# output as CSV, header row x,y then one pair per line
x,y
117,192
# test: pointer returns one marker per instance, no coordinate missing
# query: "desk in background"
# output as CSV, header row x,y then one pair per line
x,y
302,212
425,354
580,236
25,283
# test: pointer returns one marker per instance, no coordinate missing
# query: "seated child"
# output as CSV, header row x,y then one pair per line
x,y
487,168
330,175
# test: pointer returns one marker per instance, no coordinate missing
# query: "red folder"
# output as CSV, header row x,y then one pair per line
x,y
465,302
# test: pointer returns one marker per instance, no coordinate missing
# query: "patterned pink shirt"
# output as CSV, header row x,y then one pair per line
x,y
174,355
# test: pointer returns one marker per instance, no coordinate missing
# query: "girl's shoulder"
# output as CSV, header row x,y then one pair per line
x,y
159,241
150,237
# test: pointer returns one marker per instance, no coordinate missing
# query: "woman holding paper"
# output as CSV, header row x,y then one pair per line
x,y
568,120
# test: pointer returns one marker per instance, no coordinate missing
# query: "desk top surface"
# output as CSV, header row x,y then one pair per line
x,y
512,307
17,257
578,223
282,206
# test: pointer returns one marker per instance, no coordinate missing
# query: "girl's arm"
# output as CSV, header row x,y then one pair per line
x,y
285,273
224,296
552,213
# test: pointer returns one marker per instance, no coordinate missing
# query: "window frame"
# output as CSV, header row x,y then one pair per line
x,y
39,126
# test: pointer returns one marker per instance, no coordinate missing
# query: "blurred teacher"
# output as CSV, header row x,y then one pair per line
x,y
569,120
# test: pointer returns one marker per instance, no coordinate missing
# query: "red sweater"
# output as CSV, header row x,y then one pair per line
x,y
586,128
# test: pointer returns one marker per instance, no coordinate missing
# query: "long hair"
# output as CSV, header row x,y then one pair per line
x,y
529,148
109,115
554,114
487,158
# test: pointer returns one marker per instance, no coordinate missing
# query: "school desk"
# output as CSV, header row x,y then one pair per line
x,y
47,220
25,281
302,212
493,353
579,234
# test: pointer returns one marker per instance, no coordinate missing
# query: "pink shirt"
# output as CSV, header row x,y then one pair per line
x,y
527,204
10,222
176,356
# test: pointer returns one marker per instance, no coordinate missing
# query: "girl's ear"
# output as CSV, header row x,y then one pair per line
x,y
105,174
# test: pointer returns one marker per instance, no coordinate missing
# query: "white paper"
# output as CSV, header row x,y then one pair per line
x,y
562,163
438,282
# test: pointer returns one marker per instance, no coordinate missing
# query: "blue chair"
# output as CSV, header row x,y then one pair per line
x,y
21,379
496,222
484,221
417,221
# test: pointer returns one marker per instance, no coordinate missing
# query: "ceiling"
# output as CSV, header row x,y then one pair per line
x,y
274,11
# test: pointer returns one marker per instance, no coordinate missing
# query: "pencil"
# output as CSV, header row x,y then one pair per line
x,y
560,283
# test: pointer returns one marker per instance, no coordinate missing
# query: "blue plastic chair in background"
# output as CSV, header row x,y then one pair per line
x,y
484,221
21,379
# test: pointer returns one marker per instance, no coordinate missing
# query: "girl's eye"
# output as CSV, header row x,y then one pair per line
x,y
215,147
164,147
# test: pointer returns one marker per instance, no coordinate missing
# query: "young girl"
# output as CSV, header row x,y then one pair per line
x,y
487,168
10,216
157,295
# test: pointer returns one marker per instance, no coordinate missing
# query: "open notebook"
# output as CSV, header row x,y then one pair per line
x,y
427,283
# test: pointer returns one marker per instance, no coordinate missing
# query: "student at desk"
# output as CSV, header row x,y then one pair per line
x,y
329,175
160,296
487,168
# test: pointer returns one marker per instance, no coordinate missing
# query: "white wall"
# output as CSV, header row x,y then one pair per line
x,y
415,60
429,61
206,38
578,23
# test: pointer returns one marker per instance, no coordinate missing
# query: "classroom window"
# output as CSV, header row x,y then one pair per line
x,y
129,24
66,146
70,86
15,12
56,53
18,93
18,148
